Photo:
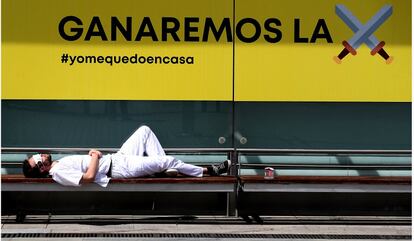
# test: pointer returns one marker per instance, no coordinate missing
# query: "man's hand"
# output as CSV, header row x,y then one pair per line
x,y
90,174
94,151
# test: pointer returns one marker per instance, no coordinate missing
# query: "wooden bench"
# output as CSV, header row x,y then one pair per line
x,y
346,184
337,171
145,184
139,196
154,196
309,183
323,196
13,181
244,194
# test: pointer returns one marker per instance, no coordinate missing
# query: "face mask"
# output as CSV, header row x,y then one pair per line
x,y
37,158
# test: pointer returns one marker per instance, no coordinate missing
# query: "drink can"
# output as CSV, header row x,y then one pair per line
x,y
269,173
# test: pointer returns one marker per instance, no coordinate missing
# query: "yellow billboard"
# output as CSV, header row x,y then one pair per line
x,y
303,64
225,50
116,50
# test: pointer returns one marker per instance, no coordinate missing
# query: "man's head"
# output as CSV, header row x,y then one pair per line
x,y
37,165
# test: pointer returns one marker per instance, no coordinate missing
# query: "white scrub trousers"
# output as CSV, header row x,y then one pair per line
x,y
130,161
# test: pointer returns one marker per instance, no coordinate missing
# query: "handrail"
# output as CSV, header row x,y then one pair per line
x,y
290,166
239,150
321,151
84,149
326,166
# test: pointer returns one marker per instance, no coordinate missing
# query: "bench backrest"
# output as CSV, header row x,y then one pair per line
x,y
311,164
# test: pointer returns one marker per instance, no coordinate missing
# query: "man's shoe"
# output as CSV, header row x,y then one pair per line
x,y
171,172
220,169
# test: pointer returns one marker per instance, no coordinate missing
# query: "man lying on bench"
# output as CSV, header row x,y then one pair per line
x,y
128,162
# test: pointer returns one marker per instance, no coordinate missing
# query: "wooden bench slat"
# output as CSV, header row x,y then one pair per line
x,y
327,179
180,179
231,179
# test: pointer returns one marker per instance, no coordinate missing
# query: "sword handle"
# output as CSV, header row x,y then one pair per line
x,y
348,49
381,51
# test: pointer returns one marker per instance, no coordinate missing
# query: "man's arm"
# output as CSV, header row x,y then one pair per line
x,y
90,174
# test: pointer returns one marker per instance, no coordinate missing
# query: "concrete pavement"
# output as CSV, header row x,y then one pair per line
x,y
125,228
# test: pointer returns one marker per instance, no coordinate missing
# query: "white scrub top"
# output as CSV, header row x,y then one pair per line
x,y
69,170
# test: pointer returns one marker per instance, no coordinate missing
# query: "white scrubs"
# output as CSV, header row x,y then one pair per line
x,y
69,170
128,162
143,140
131,162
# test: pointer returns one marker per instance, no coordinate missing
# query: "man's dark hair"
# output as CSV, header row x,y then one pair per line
x,y
34,172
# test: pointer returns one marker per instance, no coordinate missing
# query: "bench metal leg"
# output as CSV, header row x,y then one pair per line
x,y
20,217
231,205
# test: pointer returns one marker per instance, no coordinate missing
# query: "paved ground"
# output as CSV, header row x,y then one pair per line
x,y
129,228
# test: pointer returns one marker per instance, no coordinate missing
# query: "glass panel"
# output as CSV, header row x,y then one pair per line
x,y
286,125
189,124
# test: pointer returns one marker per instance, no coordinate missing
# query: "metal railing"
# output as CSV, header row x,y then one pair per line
x,y
234,154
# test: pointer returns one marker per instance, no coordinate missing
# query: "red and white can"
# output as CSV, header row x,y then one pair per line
x,y
269,173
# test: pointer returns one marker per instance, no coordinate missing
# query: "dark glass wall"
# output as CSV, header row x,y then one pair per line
x,y
304,125
200,124
109,123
